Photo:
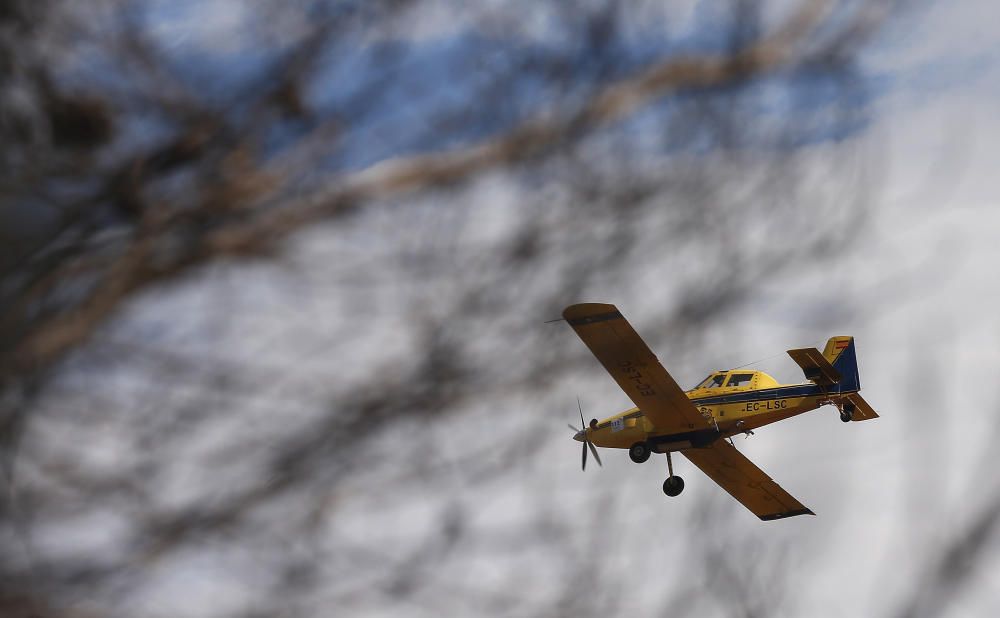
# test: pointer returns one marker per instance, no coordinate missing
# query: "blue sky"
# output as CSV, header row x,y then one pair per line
x,y
440,57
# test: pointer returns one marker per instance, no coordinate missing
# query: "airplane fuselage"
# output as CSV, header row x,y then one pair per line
x,y
725,414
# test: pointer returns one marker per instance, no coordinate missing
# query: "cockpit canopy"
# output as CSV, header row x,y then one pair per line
x,y
713,381
737,378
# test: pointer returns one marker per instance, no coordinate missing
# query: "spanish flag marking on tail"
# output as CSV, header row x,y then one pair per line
x,y
835,346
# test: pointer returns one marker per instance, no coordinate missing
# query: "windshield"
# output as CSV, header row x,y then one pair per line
x,y
713,381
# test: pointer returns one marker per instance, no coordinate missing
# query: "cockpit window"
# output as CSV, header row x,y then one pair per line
x,y
740,379
713,381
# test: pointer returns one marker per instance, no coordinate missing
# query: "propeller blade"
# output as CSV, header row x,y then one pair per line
x,y
583,463
575,430
594,451
582,422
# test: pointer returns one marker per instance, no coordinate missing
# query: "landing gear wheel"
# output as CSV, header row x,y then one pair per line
x,y
847,412
673,486
639,452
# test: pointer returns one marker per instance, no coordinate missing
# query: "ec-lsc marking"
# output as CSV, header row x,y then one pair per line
x,y
757,406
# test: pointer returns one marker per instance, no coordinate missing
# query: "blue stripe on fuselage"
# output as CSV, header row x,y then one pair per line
x,y
781,392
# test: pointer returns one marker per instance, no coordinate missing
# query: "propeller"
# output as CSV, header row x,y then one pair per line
x,y
581,434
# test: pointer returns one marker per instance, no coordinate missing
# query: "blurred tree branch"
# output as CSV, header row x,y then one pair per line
x,y
164,171
952,565
169,240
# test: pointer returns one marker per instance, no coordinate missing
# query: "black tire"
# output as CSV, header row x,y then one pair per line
x,y
673,486
639,452
848,411
845,416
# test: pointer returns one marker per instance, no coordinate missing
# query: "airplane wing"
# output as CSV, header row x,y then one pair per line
x,y
634,367
745,481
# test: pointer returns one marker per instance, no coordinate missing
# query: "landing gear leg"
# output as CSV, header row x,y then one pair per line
x,y
674,485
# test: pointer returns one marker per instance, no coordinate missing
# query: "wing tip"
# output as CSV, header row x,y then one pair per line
x,y
587,313
578,308
786,514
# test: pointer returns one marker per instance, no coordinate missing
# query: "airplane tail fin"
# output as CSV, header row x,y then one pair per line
x,y
837,370
840,353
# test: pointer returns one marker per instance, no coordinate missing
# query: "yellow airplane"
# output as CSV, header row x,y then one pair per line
x,y
700,423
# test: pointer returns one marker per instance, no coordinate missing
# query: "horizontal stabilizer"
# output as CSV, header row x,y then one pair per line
x,y
862,411
815,366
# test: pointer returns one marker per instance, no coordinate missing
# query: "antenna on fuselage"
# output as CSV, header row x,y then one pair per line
x,y
761,360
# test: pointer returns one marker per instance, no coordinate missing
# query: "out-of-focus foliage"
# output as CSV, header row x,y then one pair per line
x,y
275,278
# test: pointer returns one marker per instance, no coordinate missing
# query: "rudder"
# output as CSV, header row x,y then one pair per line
x,y
841,354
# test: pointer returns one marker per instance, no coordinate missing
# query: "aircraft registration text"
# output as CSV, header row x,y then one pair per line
x,y
632,373
757,406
